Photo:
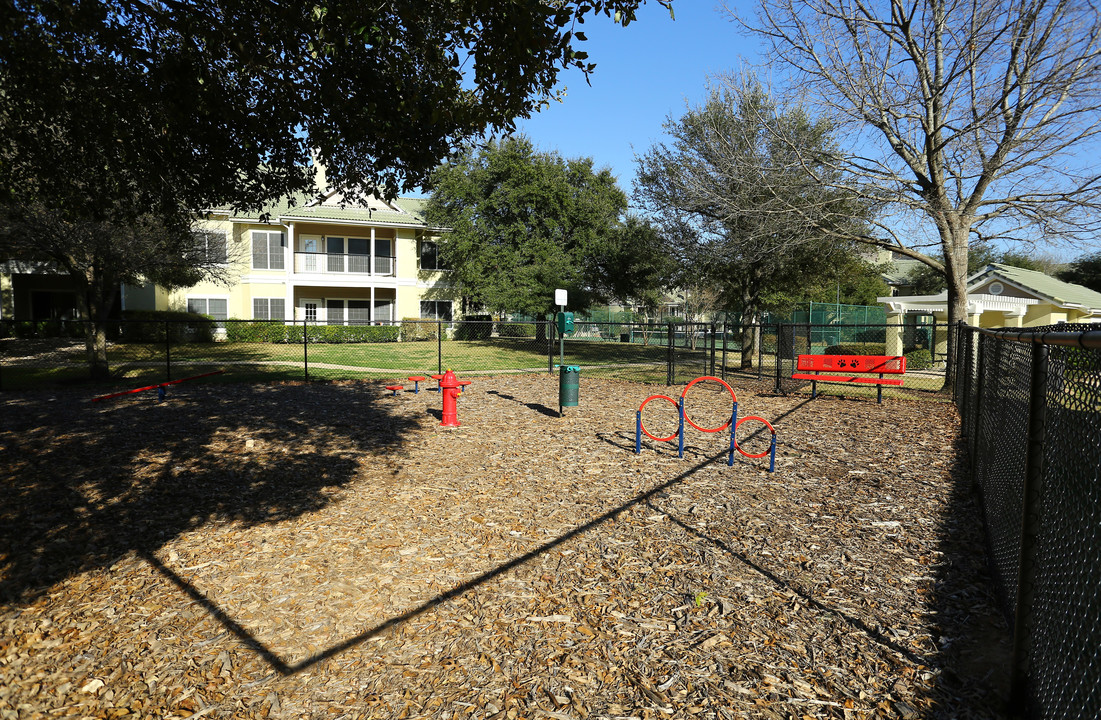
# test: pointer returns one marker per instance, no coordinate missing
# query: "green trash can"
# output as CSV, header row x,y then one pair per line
x,y
569,383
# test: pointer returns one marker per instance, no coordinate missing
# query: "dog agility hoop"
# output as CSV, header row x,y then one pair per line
x,y
682,417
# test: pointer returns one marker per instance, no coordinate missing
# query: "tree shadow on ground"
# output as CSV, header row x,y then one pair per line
x,y
83,485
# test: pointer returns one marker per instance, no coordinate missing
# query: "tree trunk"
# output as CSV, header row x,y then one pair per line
x,y
97,296
750,309
954,241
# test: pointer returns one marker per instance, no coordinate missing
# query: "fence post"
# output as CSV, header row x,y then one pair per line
x,y
779,352
1030,527
305,349
439,346
670,339
722,372
550,345
975,402
167,353
712,373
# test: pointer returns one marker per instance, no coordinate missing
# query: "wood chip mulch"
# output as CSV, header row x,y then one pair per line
x,y
328,551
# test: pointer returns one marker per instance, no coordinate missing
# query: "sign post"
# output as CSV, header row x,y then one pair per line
x,y
560,301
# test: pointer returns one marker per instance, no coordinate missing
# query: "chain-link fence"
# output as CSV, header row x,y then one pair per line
x,y
1030,403
137,352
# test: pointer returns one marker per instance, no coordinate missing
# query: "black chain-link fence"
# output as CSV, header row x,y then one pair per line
x,y
143,352
1030,402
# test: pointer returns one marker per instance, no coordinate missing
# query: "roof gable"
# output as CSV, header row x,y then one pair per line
x,y
1018,282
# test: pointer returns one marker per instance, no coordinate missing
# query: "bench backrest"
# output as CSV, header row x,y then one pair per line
x,y
887,364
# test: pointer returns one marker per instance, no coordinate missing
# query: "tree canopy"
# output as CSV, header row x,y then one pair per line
x,y
128,114
968,120
521,222
1086,271
723,189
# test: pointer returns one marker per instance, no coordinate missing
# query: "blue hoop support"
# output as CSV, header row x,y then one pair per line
x,y
680,428
733,442
638,432
771,452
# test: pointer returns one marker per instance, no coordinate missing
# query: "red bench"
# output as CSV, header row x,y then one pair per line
x,y
865,369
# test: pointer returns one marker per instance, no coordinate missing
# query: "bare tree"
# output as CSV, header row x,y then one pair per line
x,y
976,118
723,189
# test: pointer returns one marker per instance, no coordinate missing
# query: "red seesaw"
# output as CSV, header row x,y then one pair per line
x,y
160,387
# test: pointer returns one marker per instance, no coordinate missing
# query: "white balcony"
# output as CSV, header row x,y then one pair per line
x,y
332,263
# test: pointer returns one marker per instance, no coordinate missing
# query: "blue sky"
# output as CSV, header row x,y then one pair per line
x,y
644,72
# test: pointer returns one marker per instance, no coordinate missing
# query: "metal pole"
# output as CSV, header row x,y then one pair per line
x,y
638,432
680,431
305,349
722,373
670,373
167,353
439,346
712,373
1032,493
779,352
550,347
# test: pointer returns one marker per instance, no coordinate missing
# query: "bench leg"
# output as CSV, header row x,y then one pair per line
x,y
813,389
879,391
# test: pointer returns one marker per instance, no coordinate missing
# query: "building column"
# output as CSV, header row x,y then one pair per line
x,y
1015,318
288,305
894,333
371,314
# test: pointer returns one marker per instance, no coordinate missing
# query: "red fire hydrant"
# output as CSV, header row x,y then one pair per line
x,y
449,388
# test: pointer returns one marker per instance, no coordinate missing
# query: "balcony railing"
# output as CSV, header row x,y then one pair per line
x,y
305,262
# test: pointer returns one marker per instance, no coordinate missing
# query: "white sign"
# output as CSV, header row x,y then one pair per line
x,y
560,297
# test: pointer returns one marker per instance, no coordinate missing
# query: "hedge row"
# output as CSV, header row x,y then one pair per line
x,y
278,332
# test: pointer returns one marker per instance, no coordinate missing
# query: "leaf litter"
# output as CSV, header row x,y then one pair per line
x,y
329,551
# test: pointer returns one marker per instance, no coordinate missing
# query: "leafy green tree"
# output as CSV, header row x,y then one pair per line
x,y
1085,271
723,189
523,222
127,114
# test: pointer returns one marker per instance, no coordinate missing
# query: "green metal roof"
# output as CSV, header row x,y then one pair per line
x,y
1062,293
410,211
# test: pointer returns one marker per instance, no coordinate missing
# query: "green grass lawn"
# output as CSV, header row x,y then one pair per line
x,y
63,362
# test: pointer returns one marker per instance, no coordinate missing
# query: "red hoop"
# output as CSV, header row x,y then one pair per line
x,y
688,420
753,417
643,425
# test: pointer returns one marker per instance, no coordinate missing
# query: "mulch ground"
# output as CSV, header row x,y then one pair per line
x,y
328,551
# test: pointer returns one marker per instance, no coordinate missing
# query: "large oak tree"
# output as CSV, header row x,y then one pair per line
x,y
133,113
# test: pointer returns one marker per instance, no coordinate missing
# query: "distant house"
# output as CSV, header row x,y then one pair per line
x,y
328,261
997,296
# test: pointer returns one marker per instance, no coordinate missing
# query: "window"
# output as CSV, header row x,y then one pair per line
x,y
267,250
359,312
430,257
216,308
268,308
436,310
210,245
334,312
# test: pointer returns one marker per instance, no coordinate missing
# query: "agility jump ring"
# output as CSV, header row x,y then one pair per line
x,y
643,426
767,424
722,382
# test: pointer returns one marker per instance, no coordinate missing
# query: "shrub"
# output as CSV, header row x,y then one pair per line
x,y
918,360
349,333
157,326
415,329
260,331
474,327
516,330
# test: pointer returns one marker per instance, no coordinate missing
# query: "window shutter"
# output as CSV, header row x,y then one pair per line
x,y
260,250
275,257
